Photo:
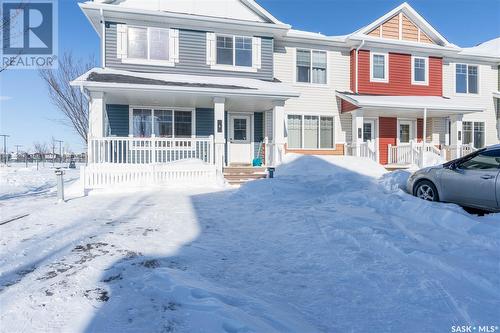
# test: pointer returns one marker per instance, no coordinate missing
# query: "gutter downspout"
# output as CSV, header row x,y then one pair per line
x,y
357,61
103,39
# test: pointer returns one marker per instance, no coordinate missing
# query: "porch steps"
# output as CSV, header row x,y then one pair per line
x,y
394,167
239,174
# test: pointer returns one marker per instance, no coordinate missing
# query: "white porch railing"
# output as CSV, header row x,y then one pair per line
x,y
362,149
411,153
455,151
128,150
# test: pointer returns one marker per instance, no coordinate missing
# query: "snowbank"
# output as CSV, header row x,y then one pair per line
x,y
326,246
324,165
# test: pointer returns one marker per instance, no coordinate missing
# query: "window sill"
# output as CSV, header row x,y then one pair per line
x,y
148,62
315,85
476,95
379,80
417,83
234,68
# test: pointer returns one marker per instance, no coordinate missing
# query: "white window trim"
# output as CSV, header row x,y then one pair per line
x,y
386,67
310,83
334,141
474,130
466,93
152,109
426,81
234,68
413,129
149,61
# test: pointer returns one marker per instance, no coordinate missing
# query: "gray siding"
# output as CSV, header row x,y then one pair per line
x,y
192,57
118,119
204,121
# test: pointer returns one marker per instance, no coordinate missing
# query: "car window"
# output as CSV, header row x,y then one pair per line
x,y
485,160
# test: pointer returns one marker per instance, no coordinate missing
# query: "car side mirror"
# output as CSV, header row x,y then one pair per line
x,y
453,166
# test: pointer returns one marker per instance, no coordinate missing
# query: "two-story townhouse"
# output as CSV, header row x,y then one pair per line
x,y
226,83
406,80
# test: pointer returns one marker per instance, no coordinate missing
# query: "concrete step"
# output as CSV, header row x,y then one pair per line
x,y
249,176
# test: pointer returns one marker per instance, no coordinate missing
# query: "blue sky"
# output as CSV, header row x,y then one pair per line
x,y
27,115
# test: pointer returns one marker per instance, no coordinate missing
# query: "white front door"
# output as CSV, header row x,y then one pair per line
x,y
239,139
369,132
405,131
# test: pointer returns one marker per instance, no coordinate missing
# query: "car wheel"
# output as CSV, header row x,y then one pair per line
x,y
426,190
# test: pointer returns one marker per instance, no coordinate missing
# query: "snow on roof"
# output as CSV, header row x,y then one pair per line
x,y
410,102
316,35
488,48
115,78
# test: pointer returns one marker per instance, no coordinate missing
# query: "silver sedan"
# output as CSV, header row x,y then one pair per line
x,y
471,181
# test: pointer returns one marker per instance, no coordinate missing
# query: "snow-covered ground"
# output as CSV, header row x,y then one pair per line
x,y
329,245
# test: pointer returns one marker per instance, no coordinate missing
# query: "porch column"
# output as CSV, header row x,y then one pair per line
x,y
96,115
219,126
424,138
278,132
456,135
357,131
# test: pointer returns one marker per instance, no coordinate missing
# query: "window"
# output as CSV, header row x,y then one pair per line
x,y
486,160
158,44
138,43
379,67
473,133
466,79
311,66
148,43
367,131
294,131
420,70
182,124
326,134
240,129
163,123
234,51
160,122
142,123
310,132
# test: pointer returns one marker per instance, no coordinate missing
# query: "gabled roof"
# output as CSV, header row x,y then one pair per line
x,y
412,15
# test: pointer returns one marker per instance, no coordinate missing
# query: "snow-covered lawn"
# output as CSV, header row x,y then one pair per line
x,y
329,245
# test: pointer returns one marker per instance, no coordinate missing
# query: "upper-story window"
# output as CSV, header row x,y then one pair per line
x,y
420,70
147,45
234,51
379,69
466,79
311,66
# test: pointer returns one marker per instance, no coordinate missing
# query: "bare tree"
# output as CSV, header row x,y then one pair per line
x,y
69,100
40,149
9,21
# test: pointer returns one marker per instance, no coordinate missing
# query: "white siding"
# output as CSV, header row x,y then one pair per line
x,y
488,82
314,98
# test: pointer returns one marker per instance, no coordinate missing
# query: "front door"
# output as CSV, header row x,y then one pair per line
x,y
369,133
239,135
405,133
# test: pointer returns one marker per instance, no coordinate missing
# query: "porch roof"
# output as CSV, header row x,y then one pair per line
x,y
105,79
437,105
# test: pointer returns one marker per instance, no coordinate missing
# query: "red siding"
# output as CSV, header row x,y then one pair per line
x,y
399,77
387,136
345,106
353,70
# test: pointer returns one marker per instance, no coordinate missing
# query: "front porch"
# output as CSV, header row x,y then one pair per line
x,y
169,129
404,131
